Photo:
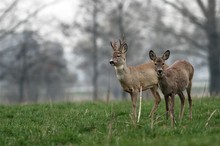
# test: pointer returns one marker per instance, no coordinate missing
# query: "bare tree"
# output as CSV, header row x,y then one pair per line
x,y
8,17
54,70
114,20
18,59
95,49
33,65
209,26
121,29
88,46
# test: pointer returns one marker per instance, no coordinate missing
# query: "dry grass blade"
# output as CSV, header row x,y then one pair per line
x,y
207,123
204,89
139,113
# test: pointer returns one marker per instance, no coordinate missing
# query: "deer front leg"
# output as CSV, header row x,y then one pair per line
x,y
157,100
134,101
182,99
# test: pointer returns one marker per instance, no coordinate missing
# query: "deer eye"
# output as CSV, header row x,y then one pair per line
x,y
155,64
162,63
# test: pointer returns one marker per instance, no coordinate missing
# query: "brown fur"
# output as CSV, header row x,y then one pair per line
x,y
173,80
132,78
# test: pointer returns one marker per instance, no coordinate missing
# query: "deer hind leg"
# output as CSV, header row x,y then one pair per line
x,y
182,99
167,105
134,101
188,89
172,109
157,100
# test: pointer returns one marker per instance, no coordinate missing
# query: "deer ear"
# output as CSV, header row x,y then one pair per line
x,y
166,55
113,45
152,55
125,46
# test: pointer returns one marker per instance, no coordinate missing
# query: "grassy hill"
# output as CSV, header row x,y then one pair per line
x,y
98,123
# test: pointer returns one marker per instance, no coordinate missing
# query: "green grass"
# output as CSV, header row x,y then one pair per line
x,y
98,123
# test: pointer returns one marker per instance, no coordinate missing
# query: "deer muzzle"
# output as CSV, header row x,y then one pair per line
x,y
160,72
112,62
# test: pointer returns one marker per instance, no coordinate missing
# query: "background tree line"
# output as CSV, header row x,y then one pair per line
x,y
32,64
190,29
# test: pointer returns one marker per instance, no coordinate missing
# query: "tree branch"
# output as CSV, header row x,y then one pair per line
x,y
34,13
13,4
187,52
183,35
202,7
192,41
186,13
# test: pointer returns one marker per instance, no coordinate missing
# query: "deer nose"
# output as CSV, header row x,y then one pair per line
x,y
159,71
111,62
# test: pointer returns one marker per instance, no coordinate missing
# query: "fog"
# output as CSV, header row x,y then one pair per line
x,y
60,50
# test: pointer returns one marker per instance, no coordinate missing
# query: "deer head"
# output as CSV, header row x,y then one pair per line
x,y
119,54
159,61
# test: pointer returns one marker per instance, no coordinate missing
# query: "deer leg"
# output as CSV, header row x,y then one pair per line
x,y
157,100
167,105
182,99
134,101
188,90
172,109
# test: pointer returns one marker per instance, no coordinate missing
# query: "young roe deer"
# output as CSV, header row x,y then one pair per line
x,y
173,80
132,78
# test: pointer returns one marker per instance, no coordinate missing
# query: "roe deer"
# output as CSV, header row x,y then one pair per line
x,y
132,78
173,80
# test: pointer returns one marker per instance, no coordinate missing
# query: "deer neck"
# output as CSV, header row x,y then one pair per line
x,y
121,71
163,81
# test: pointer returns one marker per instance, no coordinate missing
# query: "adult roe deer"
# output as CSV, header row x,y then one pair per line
x,y
173,80
133,78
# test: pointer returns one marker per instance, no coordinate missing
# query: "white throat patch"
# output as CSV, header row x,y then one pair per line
x,y
120,72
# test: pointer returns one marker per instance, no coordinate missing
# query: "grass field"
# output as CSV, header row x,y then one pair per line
x,y
101,124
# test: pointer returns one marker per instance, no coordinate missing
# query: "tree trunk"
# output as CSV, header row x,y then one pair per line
x,y
209,26
23,72
214,67
122,33
214,48
95,57
21,90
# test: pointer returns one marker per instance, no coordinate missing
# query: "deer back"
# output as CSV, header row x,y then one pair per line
x,y
143,75
181,72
